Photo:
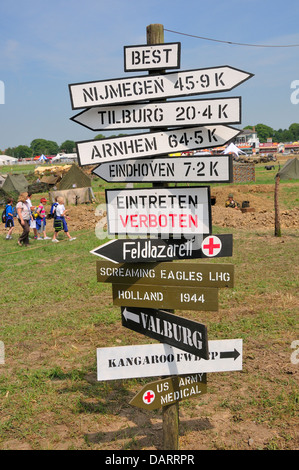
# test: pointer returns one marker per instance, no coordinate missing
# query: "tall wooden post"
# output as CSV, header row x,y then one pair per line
x,y
276,208
170,413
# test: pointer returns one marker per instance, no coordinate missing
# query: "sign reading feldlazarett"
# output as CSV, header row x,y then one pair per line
x,y
176,211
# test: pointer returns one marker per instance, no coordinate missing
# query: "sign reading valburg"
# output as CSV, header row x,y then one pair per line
x,y
169,274
165,297
184,210
153,87
167,328
166,391
154,250
91,152
152,360
172,113
212,169
151,57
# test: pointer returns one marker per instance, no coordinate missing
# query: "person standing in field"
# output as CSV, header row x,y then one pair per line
x,y
60,222
24,216
32,221
9,215
41,220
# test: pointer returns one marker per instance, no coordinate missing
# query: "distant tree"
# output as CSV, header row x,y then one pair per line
x,y
67,146
42,146
22,151
294,128
264,132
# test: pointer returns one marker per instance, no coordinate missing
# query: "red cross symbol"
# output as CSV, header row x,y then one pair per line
x,y
148,397
211,246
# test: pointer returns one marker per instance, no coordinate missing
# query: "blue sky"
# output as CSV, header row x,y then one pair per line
x,y
46,45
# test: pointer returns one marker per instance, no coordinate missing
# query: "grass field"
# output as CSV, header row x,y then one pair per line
x,y
54,314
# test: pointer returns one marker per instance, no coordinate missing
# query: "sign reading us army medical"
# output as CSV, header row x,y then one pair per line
x,y
152,360
172,113
166,391
150,87
167,328
212,169
184,210
151,57
91,152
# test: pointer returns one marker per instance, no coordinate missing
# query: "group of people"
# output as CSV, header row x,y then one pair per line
x,y
34,217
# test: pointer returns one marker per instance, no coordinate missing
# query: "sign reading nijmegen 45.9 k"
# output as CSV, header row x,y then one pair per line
x,y
153,87
184,210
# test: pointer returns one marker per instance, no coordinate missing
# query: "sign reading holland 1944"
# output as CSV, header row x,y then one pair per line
x,y
212,169
156,249
163,392
165,297
172,113
147,87
165,327
152,360
169,274
151,57
184,210
91,152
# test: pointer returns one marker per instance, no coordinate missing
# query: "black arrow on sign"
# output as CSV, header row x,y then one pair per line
x,y
229,354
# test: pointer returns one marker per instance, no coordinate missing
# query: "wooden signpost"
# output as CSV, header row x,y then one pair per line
x,y
144,282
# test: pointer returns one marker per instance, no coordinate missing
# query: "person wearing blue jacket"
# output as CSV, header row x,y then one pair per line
x,y
9,215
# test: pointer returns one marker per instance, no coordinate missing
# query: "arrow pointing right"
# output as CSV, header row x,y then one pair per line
x,y
229,354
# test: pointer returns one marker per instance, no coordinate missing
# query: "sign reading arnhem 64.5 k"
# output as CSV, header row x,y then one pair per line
x,y
184,210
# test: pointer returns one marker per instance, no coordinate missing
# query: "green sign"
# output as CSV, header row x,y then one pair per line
x,y
164,392
169,297
169,274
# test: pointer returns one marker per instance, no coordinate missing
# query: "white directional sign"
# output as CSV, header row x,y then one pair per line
x,y
172,113
91,152
151,57
206,169
151,360
184,210
153,87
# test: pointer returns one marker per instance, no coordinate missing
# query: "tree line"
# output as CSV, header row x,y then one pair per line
x,y
282,135
49,147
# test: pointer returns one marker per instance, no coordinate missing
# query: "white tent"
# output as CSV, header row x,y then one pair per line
x,y
7,160
232,148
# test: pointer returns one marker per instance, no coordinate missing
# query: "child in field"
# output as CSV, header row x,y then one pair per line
x,y
41,220
9,215
60,222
